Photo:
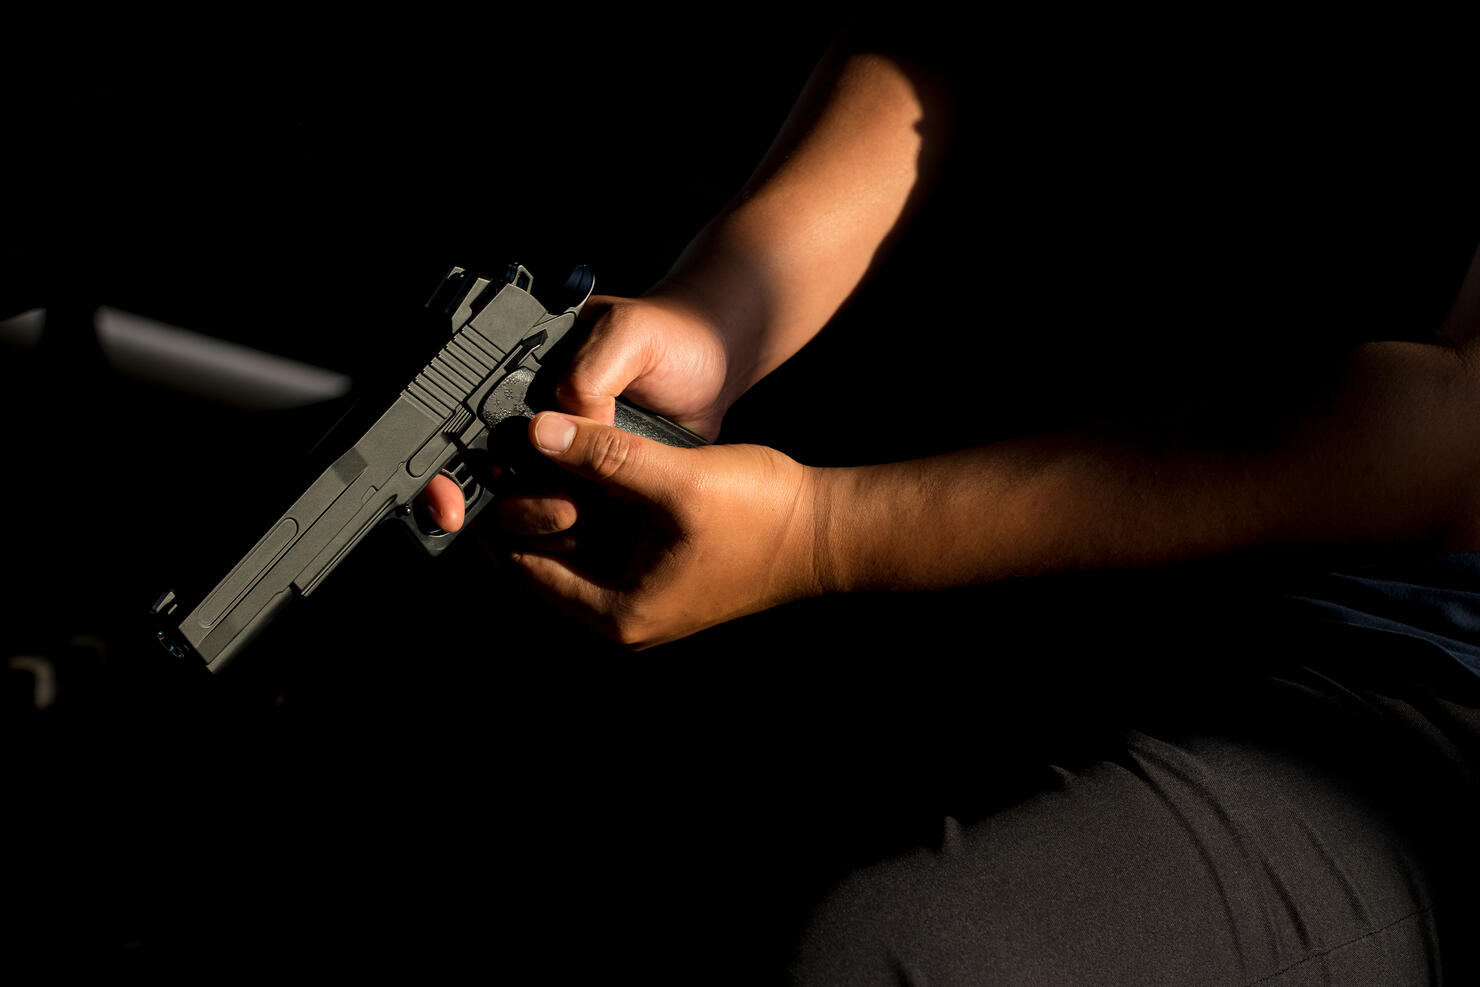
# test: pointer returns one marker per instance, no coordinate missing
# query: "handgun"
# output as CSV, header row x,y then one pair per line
x,y
462,413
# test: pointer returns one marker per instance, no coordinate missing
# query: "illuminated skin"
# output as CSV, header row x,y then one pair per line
x,y
1388,455
763,277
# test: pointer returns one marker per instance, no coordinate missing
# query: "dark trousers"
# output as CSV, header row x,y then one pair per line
x,y
1299,824
955,789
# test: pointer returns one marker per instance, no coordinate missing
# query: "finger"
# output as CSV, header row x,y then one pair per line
x,y
560,543
534,514
501,547
600,370
554,580
608,455
444,502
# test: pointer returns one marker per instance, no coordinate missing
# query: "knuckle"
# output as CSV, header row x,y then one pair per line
x,y
535,516
544,521
617,321
560,515
632,636
624,625
610,453
578,386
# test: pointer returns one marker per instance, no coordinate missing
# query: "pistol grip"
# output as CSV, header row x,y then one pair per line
x,y
504,443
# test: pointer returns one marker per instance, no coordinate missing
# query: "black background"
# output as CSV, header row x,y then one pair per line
x,y
422,765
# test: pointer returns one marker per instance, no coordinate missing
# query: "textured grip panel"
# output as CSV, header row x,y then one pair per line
x,y
631,418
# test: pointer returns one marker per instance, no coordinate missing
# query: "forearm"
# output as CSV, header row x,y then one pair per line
x,y
1391,457
779,262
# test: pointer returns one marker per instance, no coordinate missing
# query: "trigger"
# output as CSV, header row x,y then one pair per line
x,y
462,473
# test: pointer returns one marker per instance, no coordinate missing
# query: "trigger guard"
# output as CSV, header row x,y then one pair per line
x,y
463,470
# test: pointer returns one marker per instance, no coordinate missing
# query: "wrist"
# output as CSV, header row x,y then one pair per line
x,y
723,295
913,525
831,512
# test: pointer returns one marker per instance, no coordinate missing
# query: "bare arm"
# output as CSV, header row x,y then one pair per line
x,y
798,241
1386,453
764,277
1390,455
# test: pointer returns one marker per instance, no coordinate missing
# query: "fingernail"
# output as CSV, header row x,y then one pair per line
x,y
554,434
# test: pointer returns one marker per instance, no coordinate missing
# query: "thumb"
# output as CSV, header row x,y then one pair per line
x,y
608,455
600,370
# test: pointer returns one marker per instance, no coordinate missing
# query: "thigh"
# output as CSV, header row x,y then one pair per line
x,y
1293,834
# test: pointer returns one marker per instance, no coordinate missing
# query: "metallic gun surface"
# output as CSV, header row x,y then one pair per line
x,y
480,385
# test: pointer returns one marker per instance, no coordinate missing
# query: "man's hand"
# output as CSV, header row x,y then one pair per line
x,y
686,538
661,352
